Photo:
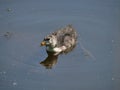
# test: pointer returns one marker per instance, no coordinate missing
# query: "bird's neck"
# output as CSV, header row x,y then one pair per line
x,y
54,49
50,48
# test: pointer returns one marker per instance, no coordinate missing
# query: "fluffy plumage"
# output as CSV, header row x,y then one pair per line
x,y
61,41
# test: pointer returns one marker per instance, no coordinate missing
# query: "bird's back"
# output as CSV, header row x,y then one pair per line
x,y
67,36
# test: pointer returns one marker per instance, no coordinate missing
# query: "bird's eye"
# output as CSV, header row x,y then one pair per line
x,y
47,39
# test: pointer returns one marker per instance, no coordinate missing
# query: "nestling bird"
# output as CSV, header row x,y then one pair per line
x,y
61,41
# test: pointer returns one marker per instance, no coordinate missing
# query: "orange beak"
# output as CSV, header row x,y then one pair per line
x,y
43,43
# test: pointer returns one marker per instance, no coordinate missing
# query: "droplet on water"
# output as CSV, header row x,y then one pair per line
x,y
4,72
112,41
113,78
14,83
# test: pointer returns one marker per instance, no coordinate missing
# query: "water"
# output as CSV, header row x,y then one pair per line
x,y
97,23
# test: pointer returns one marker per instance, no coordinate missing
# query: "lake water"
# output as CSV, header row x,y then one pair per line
x,y
94,63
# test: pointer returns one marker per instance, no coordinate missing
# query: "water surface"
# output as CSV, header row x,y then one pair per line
x,y
28,21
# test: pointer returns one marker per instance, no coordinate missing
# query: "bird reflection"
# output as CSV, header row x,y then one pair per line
x,y
50,61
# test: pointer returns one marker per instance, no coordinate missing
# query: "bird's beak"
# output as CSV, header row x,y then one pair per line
x,y
43,43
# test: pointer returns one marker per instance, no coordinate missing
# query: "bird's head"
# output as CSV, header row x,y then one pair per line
x,y
50,41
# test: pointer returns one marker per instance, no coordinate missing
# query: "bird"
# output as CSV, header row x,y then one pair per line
x,y
61,41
